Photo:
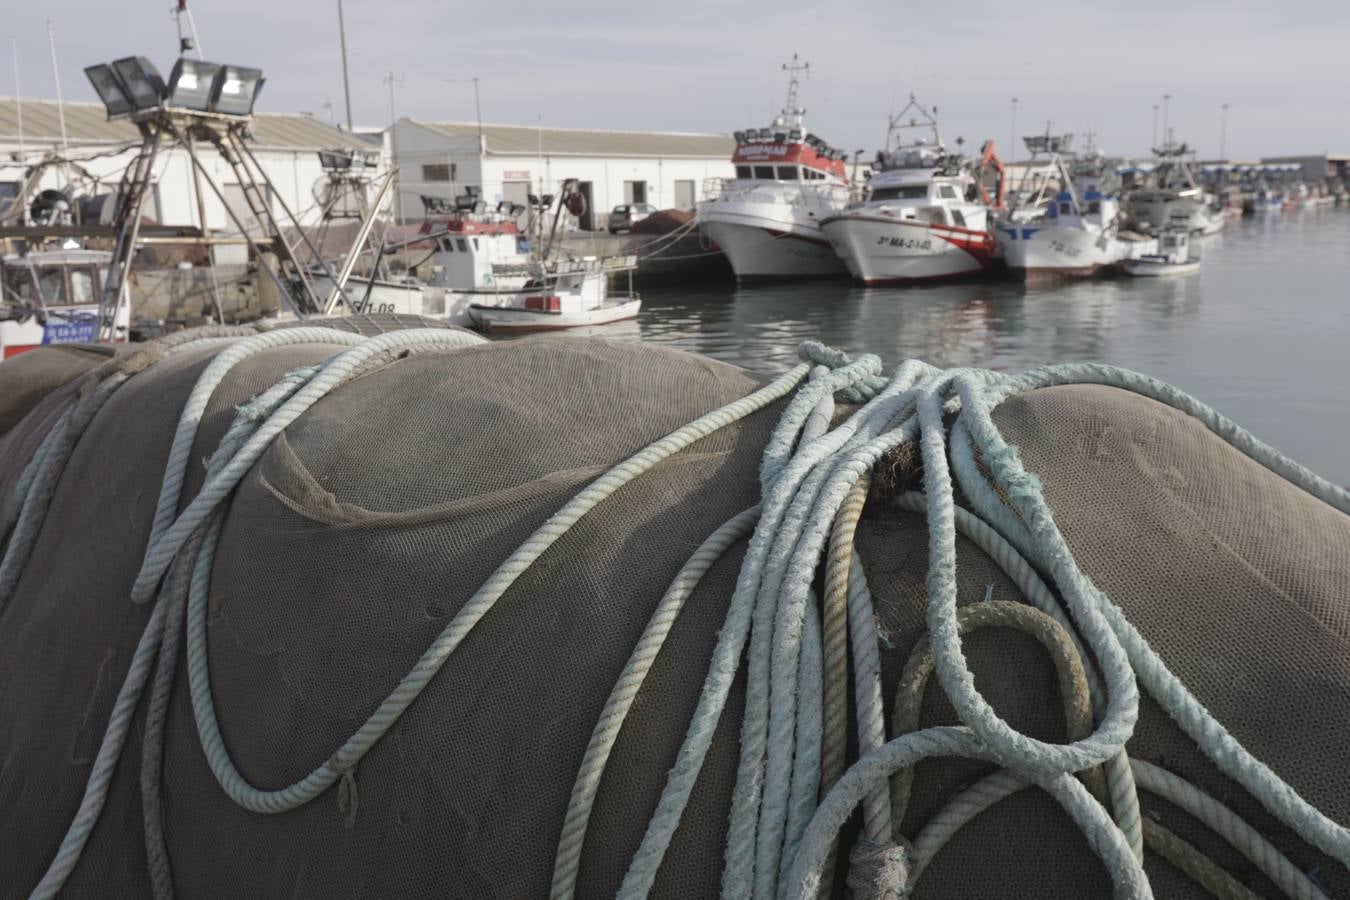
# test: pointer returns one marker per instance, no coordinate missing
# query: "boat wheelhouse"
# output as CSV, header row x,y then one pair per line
x,y
52,297
1175,198
767,219
925,214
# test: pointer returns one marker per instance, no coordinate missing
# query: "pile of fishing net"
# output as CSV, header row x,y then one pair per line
x,y
355,609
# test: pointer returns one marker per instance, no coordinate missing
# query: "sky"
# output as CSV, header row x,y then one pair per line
x,y
709,66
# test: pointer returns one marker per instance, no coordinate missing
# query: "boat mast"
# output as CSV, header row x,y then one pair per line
x,y
791,112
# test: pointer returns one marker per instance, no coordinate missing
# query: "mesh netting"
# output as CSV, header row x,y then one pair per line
x,y
367,525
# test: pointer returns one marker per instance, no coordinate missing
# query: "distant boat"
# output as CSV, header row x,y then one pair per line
x,y
767,219
1173,257
922,218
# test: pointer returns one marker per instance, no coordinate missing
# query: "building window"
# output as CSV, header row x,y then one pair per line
x,y
438,172
635,192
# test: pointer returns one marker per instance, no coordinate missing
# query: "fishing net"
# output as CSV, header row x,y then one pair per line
x,y
370,521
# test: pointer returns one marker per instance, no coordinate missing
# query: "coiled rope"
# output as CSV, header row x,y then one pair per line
x,y
781,833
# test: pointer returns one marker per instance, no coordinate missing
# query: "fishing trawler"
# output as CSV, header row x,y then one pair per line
x,y
1176,198
925,214
569,293
1077,234
52,297
767,219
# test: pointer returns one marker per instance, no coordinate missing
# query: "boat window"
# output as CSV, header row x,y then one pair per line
x,y
908,192
743,172
475,243
947,192
958,219
461,246
787,173
18,284
765,172
1065,209
81,286
1094,207
52,281
933,215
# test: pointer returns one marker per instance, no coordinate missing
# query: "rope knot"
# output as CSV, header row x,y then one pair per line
x,y
879,871
816,352
348,798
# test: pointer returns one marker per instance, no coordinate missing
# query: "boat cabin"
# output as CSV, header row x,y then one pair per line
x,y
468,250
786,155
1091,208
926,196
51,297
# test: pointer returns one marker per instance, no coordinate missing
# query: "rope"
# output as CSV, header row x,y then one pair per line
x,y
812,476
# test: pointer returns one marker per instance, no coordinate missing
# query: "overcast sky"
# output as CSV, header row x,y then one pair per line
x,y
714,65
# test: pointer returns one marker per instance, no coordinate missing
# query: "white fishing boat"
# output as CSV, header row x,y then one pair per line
x,y
475,258
570,293
1173,257
1078,233
925,213
52,297
1175,198
767,219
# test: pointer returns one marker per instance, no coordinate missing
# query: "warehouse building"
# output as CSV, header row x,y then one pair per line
x,y
440,161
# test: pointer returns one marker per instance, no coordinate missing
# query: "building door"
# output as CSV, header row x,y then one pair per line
x,y
635,192
517,192
684,195
587,220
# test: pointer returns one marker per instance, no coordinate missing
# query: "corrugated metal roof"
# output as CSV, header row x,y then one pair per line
x,y
87,123
528,140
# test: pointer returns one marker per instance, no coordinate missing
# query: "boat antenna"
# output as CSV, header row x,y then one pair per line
x,y
18,91
56,76
185,43
346,85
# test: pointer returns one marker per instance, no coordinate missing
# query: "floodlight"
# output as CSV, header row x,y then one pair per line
x,y
795,134
140,81
738,135
335,160
546,200
765,134
780,137
235,90
190,84
109,90
370,158
532,199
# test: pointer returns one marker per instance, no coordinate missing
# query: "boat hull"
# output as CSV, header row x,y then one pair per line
x,y
515,320
761,248
1147,268
878,250
1041,252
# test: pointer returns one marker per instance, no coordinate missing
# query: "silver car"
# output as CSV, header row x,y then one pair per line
x,y
623,216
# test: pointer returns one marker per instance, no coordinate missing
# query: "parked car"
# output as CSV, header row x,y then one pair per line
x,y
624,215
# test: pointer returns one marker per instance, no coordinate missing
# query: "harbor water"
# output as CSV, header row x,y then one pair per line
x,y
1261,332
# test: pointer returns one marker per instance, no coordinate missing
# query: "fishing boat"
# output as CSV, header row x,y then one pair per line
x,y
1175,198
1078,234
1173,257
1267,201
767,219
925,213
52,297
475,258
565,294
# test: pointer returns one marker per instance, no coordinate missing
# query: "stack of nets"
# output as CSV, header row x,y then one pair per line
x,y
420,615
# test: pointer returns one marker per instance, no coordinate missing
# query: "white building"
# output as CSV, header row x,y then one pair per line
x,y
97,152
507,162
